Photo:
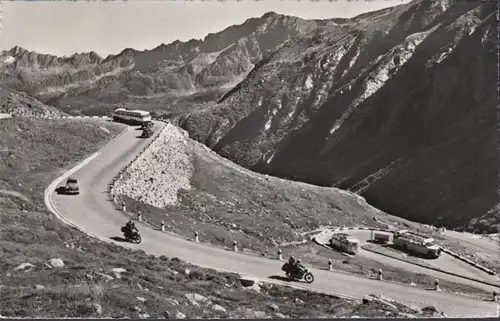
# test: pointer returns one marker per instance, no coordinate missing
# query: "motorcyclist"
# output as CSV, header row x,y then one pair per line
x,y
291,261
298,266
130,227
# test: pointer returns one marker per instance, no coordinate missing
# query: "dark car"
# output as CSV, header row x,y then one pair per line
x,y
148,125
146,133
72,186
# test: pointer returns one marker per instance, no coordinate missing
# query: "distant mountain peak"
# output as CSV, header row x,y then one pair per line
x,y
17,50
270,14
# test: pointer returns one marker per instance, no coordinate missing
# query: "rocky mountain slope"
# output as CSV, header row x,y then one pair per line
x,y
397,105
489,222
87,83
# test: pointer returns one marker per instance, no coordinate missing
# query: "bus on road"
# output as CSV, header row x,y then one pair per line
x,y
131,117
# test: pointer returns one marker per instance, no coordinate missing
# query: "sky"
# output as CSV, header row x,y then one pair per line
x,y
66,27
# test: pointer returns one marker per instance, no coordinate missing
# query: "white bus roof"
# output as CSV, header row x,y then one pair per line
x,y
136,111
141,112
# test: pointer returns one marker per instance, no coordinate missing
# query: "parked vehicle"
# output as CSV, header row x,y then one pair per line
x,y
345,243
381,237
297,273
72,186
411,242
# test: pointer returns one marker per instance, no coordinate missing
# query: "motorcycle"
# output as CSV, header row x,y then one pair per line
x,y
293,273
133,237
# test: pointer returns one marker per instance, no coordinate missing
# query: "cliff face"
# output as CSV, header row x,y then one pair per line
x,y
397,105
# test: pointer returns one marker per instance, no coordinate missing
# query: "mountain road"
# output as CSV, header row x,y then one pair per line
x,y
93,212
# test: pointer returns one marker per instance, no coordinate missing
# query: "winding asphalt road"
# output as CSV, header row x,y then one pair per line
x,y
94,213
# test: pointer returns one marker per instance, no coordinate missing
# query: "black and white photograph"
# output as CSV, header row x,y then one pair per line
x,y
249,159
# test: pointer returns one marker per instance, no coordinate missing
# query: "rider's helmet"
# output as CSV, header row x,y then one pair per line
x,y
298,261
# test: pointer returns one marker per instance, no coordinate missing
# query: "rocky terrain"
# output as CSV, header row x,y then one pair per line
x,y
489,222
397,105
20,104
158,174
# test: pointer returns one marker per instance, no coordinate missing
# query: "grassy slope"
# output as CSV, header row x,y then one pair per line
x,y
20,104
263,213
32,153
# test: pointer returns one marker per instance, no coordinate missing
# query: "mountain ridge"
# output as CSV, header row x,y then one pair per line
x,y
379,104
236,49
264,127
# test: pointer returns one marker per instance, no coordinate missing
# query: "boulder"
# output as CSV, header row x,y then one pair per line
x,y
180,315
197,299
218,308
273,307
118,271
172,301
56,263
24,266
90,308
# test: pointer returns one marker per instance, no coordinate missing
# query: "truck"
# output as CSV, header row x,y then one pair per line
x,y
345,243
411,242
381,237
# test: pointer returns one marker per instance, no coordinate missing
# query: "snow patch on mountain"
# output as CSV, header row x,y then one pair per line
x,y
443,5
9,60
269,121
270,157
353,61
330,66
308,83
466,24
